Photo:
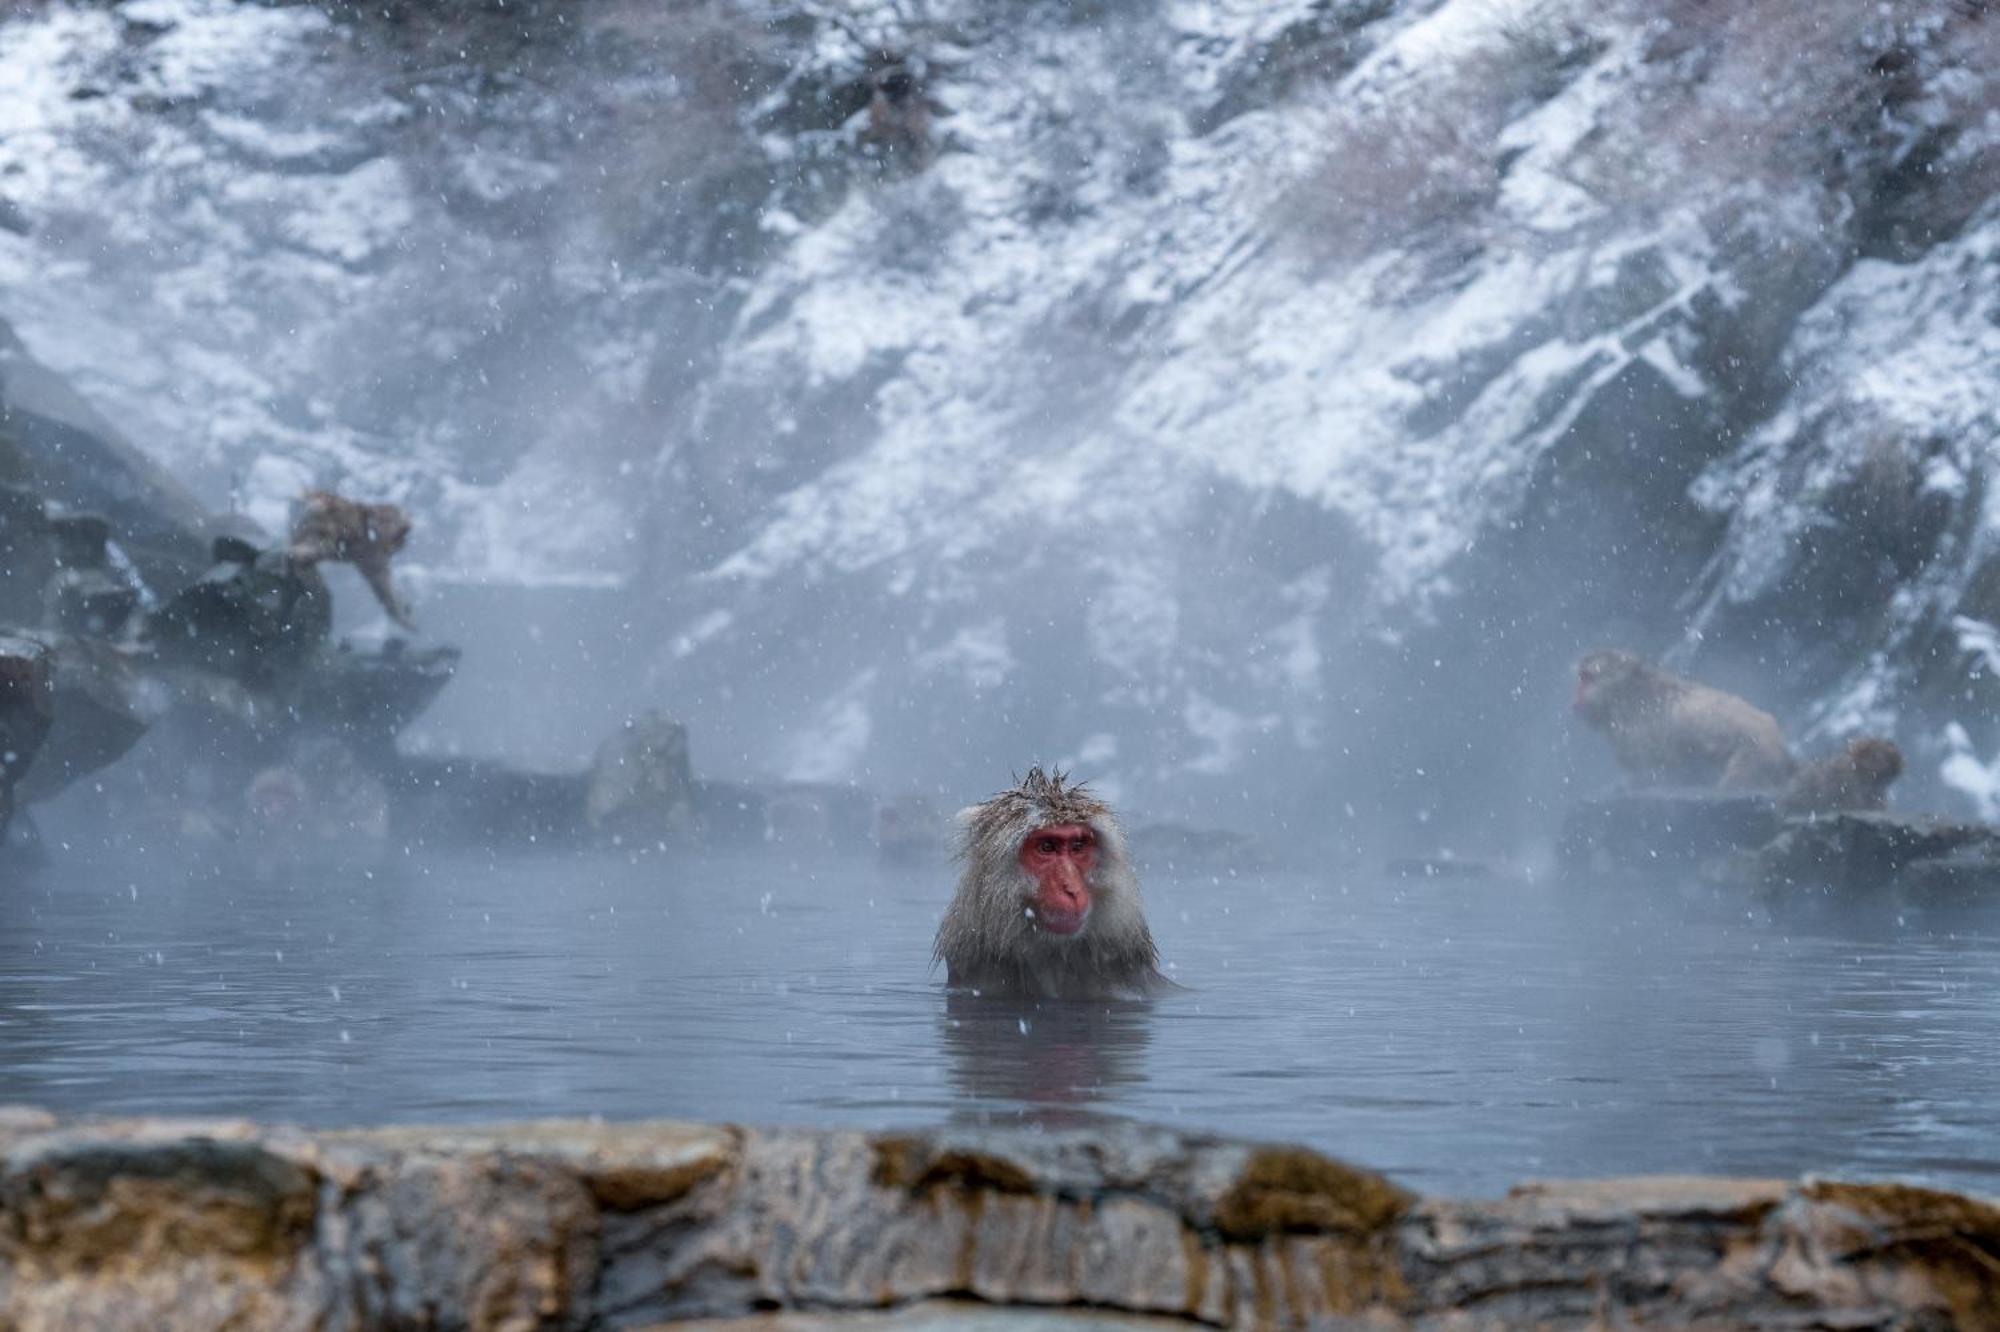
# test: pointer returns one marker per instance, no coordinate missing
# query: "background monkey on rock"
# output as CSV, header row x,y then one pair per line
x,y
1047,905
1669,731
368,536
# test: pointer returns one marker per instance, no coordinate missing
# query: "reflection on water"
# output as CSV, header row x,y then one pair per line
x,y
1054,1061
1460,1034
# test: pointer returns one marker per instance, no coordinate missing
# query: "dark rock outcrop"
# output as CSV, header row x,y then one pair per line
x,y
86,595
1742,841
1866,852
27,710
165,1225
255,616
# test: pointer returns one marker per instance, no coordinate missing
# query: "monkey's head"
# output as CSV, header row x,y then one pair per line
x,y
1878,761
896,84
1046,865
1609,682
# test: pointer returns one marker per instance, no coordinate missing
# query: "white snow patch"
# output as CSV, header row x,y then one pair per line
x,y
1980,640
270,488
1965,772
711,625
496,175
262,139
1231,736
536,527
208,43
355,214
977,653
1099,747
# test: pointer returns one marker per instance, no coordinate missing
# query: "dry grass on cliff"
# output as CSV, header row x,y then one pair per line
x,y
1422,164
1410,176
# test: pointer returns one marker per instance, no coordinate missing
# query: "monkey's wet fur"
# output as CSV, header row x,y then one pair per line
x,y
1048,904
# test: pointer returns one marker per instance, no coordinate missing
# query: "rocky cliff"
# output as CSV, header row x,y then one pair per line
x,y
1214,394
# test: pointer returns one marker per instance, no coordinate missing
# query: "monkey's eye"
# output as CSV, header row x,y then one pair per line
x,y
1049,846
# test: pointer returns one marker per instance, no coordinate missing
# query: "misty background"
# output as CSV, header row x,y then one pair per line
x,y
1257,406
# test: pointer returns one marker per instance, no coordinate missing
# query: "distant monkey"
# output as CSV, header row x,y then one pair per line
x,y
1047,905
332,527
900,108
1858,777
1668,731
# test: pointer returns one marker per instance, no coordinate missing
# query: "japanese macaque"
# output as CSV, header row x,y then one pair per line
x,y
320,799
1047,906
900,108
1667,731
1858,777
333,527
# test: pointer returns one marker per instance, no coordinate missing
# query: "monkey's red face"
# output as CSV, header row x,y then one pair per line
x,y
1059,858
1597,679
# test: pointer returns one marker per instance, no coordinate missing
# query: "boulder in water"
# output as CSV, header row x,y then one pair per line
x,y
1868,853
641,784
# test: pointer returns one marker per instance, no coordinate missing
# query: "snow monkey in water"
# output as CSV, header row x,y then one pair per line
x,y
1047,905
1858,777
333,527
1667,731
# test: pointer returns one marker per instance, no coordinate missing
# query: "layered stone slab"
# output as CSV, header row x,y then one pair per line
x,y
580,1224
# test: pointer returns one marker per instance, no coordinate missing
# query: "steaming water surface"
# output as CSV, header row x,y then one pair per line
x,y
1458,1034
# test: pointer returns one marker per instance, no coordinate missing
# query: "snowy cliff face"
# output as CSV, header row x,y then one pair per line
x,y
1222,396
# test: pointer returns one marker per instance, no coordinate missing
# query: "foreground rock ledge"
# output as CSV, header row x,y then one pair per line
x,y
173,1224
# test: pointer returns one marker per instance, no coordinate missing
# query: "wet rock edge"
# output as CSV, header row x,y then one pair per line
x,y
580,1224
